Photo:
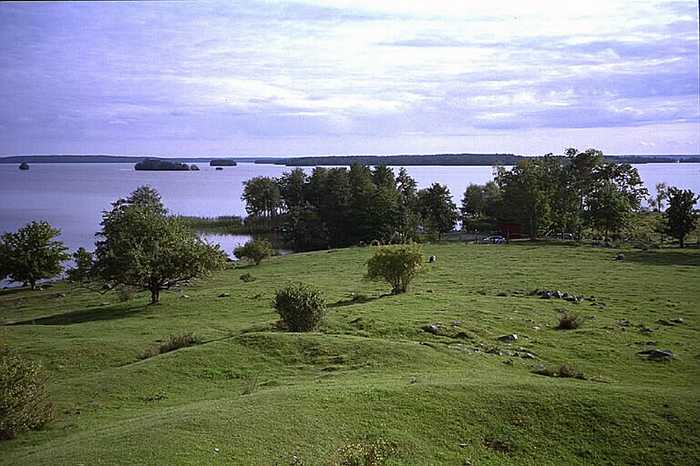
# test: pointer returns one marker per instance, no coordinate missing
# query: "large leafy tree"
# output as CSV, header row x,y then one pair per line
x,y
31,253
262,197
438,213
680,216
141,246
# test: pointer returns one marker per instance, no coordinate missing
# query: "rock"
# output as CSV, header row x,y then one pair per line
x,y
536,327
456,323
623,323
665,322
432,259
508,338
104,304
185,296
432,328
645,330
216,450
527,355
60,295
412,380
620,257
224,295
657,354
508,362
677,320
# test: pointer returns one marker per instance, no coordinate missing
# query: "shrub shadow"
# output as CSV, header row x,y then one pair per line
x,y
662,257
85,315
357,300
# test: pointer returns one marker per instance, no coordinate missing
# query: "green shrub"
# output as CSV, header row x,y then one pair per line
x,y
24,401
569,321
247,278
363,453
396,265
171,344
254,250
300,306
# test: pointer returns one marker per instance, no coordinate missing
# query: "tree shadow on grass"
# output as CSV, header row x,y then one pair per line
x,y
663,257
85,315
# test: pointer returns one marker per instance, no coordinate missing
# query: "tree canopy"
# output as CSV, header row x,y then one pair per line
x,y
141,246
680,216
31,253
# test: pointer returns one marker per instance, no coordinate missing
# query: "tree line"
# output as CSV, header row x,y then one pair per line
x,y
337,207
575,195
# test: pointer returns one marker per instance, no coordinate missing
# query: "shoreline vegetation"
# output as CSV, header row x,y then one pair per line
x,y
327,160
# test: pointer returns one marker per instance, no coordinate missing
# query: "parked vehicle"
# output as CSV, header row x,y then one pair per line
x,y
495,239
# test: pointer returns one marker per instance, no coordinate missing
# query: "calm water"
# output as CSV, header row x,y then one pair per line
x,y
72,196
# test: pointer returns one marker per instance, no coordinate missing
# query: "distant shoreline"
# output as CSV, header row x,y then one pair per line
x,y
328,160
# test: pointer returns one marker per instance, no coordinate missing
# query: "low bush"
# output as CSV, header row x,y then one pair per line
x,y
396,265
24,401
300,306
247,278
254,251
569,321
363,453
171,344
563,371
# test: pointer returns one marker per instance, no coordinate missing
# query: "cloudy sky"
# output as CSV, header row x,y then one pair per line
x,y
349,76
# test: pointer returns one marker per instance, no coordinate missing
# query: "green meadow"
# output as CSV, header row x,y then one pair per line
x,y
451,394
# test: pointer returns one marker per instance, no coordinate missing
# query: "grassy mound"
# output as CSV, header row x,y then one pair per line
x,y
424,372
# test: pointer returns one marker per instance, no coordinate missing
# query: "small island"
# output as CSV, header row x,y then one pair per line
x,y
222,163
24,166
161,165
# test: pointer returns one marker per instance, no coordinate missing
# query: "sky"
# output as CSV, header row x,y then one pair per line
x,y
309,77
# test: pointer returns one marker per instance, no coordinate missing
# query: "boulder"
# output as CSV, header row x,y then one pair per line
x,y
508,338
432,259
657,354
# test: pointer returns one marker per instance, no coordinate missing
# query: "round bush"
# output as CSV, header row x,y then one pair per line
x,y
254,251
396,265
300,306
23,395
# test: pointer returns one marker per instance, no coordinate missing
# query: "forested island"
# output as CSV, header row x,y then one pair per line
x,y
161,165
222,163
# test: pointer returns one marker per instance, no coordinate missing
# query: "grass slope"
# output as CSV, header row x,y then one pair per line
x,y
253,395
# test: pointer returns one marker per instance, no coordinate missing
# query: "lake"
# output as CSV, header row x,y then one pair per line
x,y
72,196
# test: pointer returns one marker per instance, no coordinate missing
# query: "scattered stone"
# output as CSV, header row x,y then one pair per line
x,y
620,257
185,296
508,362
463,445
104,304
432,259
59,295
665,322
645,330
456,323
412,380
657,354
216,450
527,355
508,338
536,327
224,295
432,328
624,323
677,320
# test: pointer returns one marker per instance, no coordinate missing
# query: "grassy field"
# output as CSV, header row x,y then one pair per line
x,y
251,394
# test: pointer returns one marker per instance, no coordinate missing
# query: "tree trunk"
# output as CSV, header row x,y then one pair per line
x,y
155,295
682,240
32,284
